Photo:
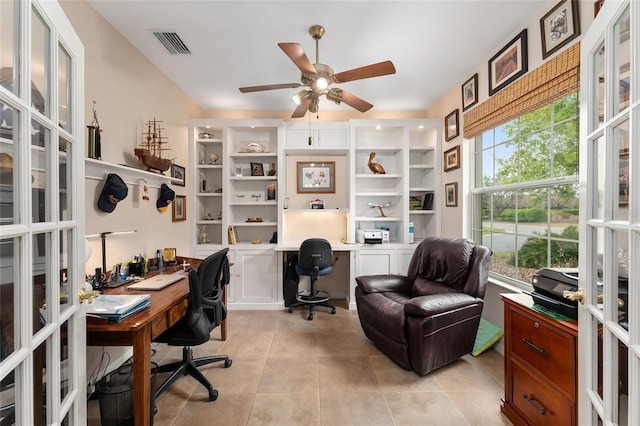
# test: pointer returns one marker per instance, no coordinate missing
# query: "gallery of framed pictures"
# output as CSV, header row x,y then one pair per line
x,y
451,126
316,176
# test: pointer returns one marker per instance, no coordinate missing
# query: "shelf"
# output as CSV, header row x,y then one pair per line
x,y
257,203
329,151
209,166
246,178
98,169
209,141
378,219
379,149
421,189
254,155
421,212
378,194
316,210
254,224
420,166
209,222
379,176
209,194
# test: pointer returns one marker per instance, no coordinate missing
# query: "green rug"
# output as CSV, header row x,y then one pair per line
x,y
488,335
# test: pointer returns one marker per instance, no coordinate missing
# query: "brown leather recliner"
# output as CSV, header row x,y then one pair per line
x,y
429,317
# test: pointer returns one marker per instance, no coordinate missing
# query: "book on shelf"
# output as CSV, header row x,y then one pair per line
x,y
117,307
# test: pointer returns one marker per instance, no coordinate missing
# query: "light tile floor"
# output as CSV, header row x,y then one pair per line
x,y
290,371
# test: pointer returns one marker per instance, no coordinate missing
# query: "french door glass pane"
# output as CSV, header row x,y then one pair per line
x,y
9,248
40,37
600,259
621,198
8,69
9,206
39,399
598,176
621,276
64,362
8,392
64,179
64,89
67,266
40,144
622,28
41,279
600,93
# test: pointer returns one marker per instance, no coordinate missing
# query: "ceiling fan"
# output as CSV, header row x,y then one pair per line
x,y
316,78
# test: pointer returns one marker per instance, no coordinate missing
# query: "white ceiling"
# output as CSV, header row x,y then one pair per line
x,y
433,44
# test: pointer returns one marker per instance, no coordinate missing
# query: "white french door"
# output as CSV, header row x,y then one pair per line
x,y
609,326
42,352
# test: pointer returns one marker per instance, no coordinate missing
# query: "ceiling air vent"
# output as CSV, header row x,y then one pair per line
x,y
172,42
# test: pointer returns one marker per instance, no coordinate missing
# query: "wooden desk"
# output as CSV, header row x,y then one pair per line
x,y
166,308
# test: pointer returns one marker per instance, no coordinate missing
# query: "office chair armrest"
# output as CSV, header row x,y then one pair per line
x,y
384,283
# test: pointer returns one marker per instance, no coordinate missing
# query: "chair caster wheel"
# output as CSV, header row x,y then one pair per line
x,y
290,310
333,312
227,363
213,395
310,317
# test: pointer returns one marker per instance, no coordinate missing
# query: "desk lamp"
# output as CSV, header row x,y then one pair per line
x,y
103,237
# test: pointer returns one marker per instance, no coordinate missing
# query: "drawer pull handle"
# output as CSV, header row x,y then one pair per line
x,y
536,406
540,350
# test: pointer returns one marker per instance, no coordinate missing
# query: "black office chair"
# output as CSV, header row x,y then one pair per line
x,y
314,259
205,312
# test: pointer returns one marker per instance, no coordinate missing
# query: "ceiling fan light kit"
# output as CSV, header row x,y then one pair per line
x,y
318,77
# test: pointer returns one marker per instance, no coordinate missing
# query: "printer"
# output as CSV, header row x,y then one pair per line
x,y
550,283
548,286
371,236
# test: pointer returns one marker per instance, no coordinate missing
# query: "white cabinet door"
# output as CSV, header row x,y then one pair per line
x,y
320,138
375,262
255,276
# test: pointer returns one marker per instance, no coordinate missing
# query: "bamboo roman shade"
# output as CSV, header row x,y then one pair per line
x,y
552,80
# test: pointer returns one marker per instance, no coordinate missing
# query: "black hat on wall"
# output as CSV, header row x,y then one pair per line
x,y
114,191
166,197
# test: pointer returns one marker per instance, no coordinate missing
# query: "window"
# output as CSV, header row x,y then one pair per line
x,y
525,191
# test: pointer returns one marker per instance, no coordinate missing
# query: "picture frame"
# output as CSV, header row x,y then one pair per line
x,y
559,26
179,208
316,177
470,92
451,126
178,172
257,169
509,64
451,194
452,159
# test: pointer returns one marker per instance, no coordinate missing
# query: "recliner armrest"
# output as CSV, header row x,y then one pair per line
x,y
435,304
384,283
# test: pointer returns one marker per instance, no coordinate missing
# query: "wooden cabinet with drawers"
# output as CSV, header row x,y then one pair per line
x,y
540,365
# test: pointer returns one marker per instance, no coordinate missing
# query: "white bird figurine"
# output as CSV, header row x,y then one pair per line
x,y
375,167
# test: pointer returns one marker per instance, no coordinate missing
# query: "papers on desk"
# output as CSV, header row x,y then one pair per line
x,y
117,307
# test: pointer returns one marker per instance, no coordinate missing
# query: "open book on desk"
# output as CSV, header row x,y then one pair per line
x,y
117,307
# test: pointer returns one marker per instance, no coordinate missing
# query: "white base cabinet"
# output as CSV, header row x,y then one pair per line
x,y
255,277
384,260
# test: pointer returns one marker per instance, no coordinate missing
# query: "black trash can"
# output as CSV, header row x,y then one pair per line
x,y
115,395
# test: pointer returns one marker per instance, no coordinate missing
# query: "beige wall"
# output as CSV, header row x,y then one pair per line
x,y
129,90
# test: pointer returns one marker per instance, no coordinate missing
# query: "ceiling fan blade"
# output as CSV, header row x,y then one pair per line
x,y
368,71
296,54
269,87
301,109
355,102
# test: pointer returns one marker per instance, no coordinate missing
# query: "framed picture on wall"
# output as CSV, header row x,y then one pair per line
x,y
452,159
470,92
179,208
559,26
178,172
509,63
316,176
451,194
451,126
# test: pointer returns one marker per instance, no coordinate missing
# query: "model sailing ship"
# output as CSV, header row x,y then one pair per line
x,y
151,151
